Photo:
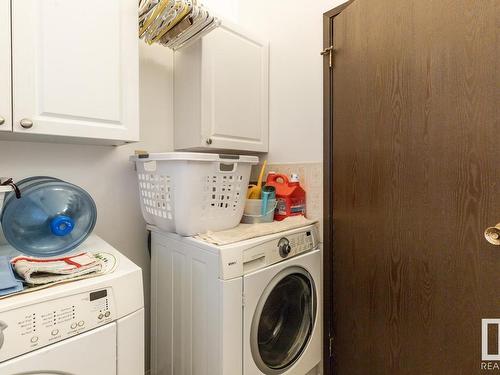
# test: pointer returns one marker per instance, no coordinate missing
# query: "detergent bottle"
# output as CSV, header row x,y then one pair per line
x,y
290,196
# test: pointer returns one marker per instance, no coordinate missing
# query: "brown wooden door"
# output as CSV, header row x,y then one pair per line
x,y
416,180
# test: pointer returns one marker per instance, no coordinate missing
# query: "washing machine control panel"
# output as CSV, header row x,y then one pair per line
x,y
288,246
32,327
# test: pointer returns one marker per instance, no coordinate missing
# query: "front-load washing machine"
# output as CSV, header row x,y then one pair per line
x,y
90,326
248,308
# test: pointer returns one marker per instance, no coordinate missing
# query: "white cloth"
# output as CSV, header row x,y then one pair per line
x,y
37,271
247,231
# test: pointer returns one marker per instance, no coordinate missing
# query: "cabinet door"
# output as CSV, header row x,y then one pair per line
x,y
75,68
235,91
5,79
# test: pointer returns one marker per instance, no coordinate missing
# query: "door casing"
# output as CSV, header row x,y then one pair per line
x,y
328,333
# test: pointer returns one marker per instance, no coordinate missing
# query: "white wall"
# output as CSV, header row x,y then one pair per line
x,y
227,9
295,31
105,172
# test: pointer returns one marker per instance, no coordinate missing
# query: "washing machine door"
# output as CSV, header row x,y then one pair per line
x,y
283,321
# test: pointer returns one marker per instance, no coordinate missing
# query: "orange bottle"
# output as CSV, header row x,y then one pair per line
x,y
290,196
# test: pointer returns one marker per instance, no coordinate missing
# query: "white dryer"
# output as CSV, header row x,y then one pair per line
x,y
249,308
91,326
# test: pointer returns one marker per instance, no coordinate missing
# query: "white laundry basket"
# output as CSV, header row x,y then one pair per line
x,y
190,193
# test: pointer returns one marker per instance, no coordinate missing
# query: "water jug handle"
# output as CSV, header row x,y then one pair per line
x,y
275,177
10,182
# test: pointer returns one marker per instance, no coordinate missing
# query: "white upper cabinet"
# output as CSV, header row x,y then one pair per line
x,y
5,79
76,69
221,85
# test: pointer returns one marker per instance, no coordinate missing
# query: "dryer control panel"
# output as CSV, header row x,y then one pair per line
x,y
284,247
32,327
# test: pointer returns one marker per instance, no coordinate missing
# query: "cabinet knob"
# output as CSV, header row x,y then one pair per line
x,y
2,120
209,141
26,123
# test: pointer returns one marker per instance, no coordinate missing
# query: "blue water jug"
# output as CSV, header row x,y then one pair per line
x,y
51,218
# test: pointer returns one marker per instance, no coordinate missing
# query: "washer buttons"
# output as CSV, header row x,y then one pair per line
x,y
107,314
81,323
73,325
54,332
100,316
34,339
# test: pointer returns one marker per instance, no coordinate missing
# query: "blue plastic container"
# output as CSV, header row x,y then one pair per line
x,y
51,218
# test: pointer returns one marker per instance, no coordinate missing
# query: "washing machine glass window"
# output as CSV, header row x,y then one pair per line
x,y
284,320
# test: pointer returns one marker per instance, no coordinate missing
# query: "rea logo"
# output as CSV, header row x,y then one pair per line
x,y
491,360
486,355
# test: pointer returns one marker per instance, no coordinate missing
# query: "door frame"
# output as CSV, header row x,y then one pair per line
x,y
328,225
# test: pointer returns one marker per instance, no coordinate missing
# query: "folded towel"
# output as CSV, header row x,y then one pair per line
x,y
8,282
37,271
247,231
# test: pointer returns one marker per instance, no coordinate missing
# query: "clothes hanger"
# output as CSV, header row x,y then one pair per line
x,y
211,26
199,20
145,9
162,20
181,28
186,8
204,24
174,23
152,17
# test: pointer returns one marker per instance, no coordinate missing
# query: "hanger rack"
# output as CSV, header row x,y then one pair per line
x,y
174,23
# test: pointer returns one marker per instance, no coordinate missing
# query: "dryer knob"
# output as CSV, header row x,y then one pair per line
x,y
284,247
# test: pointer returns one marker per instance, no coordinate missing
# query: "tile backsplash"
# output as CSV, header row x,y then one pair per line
x,y
311,179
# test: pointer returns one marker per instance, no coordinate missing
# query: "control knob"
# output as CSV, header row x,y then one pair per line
x,y
284,247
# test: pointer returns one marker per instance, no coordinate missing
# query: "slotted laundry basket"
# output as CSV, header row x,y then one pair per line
x,y
190,193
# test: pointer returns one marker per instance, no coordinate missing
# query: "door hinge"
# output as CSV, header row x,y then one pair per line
x,y
330,346
329,51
